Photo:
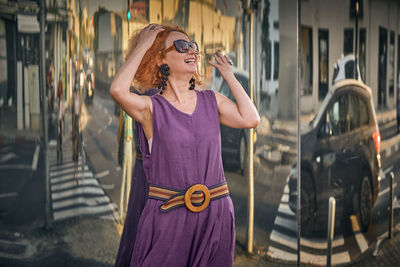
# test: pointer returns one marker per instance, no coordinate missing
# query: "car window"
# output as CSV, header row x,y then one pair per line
x,y
364,114
337,116
354,112
349,70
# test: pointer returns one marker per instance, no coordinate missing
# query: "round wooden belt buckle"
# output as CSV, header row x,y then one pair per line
x,y
188,197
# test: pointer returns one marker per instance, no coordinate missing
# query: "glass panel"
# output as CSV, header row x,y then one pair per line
x,y
306,60
347,130
323,52
391,64
362,54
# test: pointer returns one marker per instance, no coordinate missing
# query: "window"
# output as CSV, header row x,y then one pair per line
x,y
354,112
382,61
337,116
398,66
323,62
364,112
391,64
268,61
306,60
348,41
362,54
276,60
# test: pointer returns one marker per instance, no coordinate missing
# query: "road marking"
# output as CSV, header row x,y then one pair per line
x,y
362,242
109,120
83,211
65,171
71,183
291,241
106,111
35,158
286,189
286,223
337,258
12,194
285,198
93,201
386,190
88,174
99,131
102,174
8,156
78,191
385,172
284,208
118,168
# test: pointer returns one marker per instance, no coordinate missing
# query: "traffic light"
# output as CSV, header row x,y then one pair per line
x,y
128,15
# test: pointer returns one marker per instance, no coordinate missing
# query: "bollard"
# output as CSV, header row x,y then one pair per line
x,y
390,230
331,228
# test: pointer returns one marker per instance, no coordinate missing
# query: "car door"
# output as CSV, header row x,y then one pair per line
x,y
358,138
337,115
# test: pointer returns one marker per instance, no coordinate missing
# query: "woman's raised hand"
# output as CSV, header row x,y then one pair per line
x,y
222,63
149,34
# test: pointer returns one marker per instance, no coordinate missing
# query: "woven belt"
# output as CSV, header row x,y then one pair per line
x,y
196,198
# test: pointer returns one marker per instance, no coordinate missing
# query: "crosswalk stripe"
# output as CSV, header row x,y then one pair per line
x,y
81,200
72,183
291,241
284,208
83,211
285,223
77,191
337,258
64,178
57,173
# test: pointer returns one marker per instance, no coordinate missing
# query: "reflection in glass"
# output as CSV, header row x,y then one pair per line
x,y
306,50
323,52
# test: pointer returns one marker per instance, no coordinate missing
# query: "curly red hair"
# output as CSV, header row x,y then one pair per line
x,y
148,74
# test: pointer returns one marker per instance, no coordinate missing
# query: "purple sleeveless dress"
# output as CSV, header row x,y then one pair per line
x,y
186,150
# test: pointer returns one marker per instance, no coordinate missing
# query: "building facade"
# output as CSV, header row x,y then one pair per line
x,y
328,32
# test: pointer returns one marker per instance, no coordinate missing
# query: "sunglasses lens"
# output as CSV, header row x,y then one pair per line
x,y
183,46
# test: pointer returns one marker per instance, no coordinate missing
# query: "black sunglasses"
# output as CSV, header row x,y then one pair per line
x,y
183,46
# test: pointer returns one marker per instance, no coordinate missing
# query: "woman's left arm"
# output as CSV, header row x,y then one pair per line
x,y
242,114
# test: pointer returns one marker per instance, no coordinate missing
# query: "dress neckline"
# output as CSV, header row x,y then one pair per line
x,y
180,111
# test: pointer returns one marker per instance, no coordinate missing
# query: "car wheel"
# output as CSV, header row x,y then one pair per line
x,y
307,205
365,205
242,154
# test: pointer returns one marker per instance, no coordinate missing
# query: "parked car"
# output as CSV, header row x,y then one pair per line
x,y
340,157
234,141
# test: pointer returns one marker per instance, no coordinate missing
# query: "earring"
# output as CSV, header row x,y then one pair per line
x,y
164,69
192,83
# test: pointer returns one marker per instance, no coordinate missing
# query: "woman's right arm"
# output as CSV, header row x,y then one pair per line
x,y
138,107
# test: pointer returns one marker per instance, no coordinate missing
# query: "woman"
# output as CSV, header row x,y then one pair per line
x,y
188,219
